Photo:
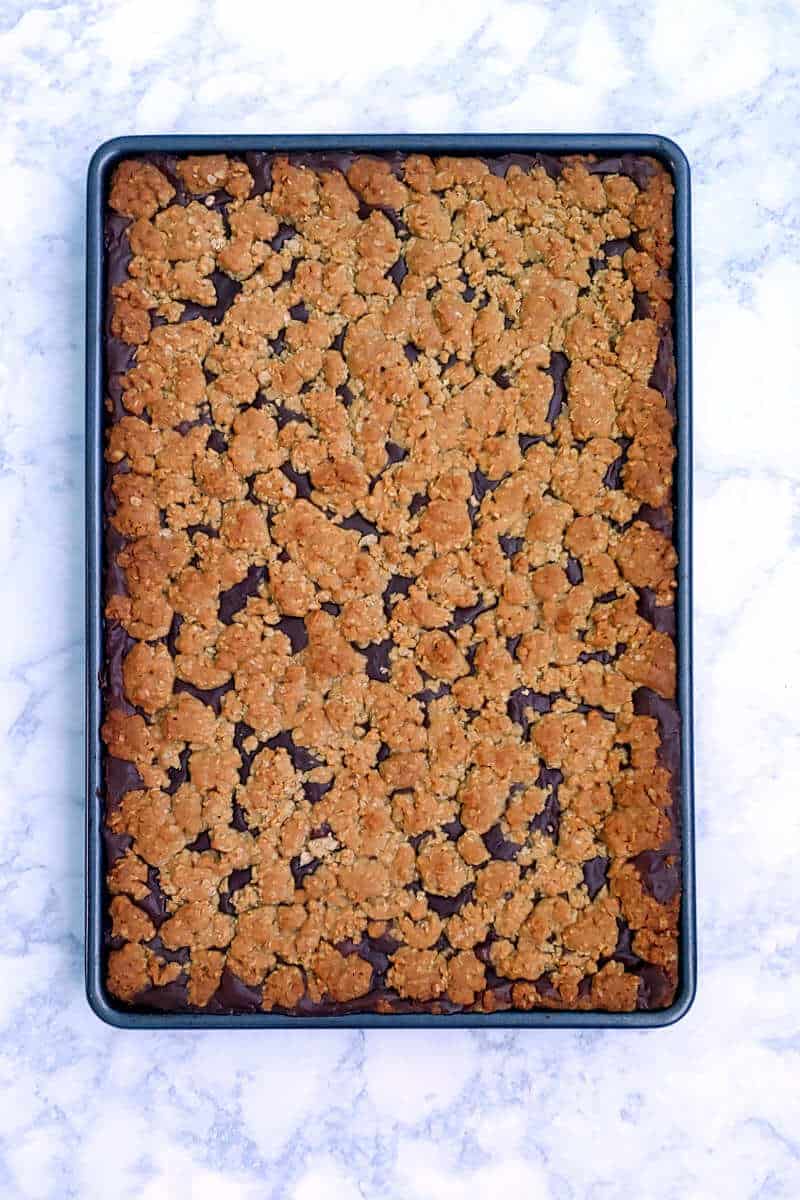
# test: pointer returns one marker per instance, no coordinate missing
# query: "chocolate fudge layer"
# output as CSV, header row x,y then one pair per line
x,y
389,647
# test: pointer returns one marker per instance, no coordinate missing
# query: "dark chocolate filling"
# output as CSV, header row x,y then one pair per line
x,y
235,598
557,370
660,870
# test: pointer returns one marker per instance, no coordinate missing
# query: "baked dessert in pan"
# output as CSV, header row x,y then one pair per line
x,y
389,705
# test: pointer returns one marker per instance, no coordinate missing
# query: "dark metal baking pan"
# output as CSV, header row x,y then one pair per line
x,y
604,145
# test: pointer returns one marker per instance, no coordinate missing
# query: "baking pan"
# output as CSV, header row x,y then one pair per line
x,y
604,145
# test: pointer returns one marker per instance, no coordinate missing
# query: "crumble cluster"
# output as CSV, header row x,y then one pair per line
x,y
389,586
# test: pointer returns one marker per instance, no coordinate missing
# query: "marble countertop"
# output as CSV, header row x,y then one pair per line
x,y
710,1106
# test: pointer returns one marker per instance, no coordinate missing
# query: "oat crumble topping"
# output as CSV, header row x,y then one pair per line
x,y
390,716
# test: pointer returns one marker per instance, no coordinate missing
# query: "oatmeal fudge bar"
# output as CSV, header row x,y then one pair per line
x,y
389,687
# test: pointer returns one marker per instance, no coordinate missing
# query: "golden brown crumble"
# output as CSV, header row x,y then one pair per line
x,y
389,499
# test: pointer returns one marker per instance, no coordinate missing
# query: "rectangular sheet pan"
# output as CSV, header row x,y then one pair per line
x,y
605,145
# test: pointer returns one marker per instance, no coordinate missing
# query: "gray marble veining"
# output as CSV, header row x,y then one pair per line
x,y
709,1107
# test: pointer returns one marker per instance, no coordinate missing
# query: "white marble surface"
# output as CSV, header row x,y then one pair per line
x,y
709,1107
